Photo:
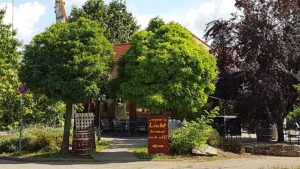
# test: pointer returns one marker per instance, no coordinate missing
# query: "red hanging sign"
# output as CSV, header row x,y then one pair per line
x,y
158,134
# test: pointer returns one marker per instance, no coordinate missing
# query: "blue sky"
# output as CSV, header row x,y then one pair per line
x,y
32,16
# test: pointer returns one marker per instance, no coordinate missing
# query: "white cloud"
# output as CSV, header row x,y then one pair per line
x,y
196,18
75,2
26,18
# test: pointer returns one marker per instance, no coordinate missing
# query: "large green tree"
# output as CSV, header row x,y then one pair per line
x,y
9,68
167,70
68,62
118,23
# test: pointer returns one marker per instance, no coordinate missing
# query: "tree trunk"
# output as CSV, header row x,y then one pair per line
x,y
280,130
65,144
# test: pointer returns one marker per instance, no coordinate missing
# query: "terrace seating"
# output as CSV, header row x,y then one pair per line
x,y
294,133
105,125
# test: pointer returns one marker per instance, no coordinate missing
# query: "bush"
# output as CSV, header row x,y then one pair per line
x,y
192,135
295,114
34,139
234,146
214,139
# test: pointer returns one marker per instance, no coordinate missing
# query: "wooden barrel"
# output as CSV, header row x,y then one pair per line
x,y
82,142
267,133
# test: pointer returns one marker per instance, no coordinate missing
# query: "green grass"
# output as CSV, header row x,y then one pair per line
x,y
142,153
102,145
45,155
56,155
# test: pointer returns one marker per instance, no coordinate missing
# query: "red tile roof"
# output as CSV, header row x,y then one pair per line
x,y
120,50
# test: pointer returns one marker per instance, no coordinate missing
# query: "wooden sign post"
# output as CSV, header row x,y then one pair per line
x,y
158,134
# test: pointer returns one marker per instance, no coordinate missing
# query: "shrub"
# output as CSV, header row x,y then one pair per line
x,y
295,114
192,135
234,146
34,139
214,139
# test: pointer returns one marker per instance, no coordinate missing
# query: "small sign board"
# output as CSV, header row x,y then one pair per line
x,y
158,134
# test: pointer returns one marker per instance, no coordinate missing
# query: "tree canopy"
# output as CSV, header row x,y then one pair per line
x,y
118,23
166,70
9,69
258,53
68,62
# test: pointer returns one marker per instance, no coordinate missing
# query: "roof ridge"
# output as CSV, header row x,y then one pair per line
x,y
128,43
204,42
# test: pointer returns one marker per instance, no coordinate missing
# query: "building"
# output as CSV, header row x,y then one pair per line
x,y
117,109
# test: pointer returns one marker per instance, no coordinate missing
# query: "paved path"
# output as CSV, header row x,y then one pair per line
x,y
120,149
119,156
243,163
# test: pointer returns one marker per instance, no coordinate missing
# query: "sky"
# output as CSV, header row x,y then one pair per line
x,y
33,16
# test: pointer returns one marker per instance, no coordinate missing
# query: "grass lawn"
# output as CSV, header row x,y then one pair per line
x,y
55,155
102,145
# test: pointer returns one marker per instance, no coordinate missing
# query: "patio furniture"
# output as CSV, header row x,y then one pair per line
x,y
294,133
227,125
132,128
105,125
141,125
123,127
233,128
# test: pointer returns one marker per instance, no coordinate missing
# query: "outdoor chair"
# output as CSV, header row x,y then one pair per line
x,y
141,125
294,133
105,126
132,127
233,128
120,127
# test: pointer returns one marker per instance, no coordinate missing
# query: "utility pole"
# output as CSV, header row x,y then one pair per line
x,y
22,90
22,103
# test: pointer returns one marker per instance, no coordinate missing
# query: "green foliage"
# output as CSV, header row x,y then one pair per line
x,y
9,82
102,145
142,153
295,114
9,69
118,23
214,139
192,135
232,145
167,70
45,111
154,24
297,87
34,139
68,62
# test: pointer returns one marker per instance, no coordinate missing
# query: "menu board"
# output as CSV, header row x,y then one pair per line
x,y
158,134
